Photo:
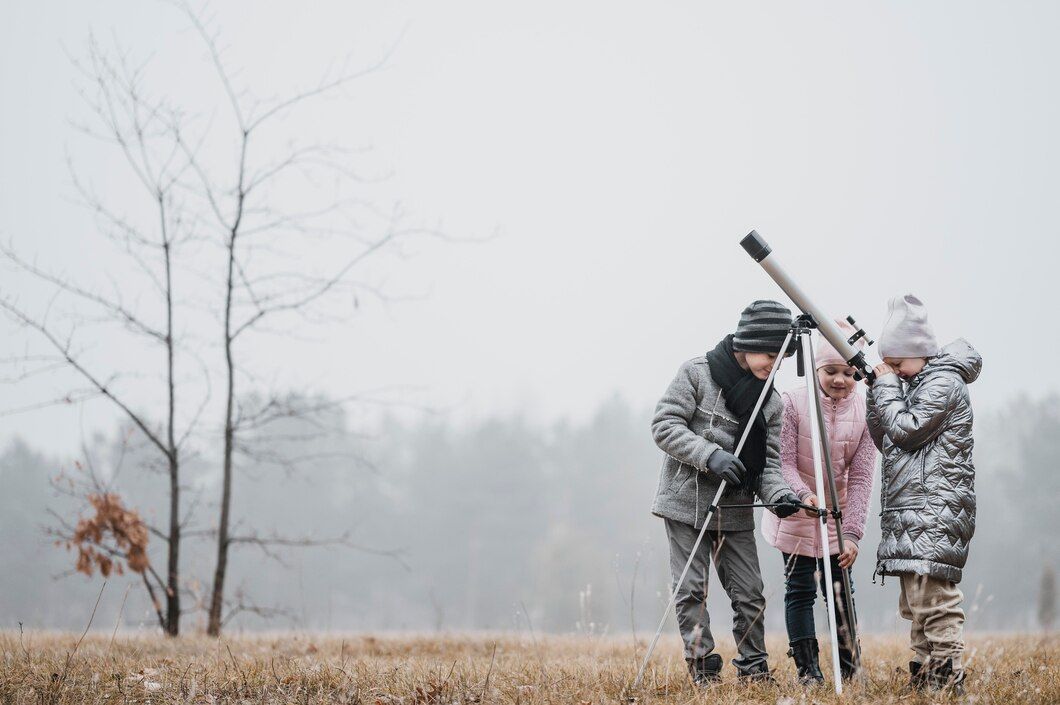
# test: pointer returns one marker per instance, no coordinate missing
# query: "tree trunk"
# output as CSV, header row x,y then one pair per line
x,y
213,627
172,625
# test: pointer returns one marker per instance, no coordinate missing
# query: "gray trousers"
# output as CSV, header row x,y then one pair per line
x,y
735,556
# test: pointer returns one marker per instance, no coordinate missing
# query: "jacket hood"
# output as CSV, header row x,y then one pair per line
x,y
960,357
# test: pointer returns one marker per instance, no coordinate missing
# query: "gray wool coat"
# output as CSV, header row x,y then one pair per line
x,y
927,493
691,422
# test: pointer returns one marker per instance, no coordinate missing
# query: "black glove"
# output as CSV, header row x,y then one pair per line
x,y
787,505
727,466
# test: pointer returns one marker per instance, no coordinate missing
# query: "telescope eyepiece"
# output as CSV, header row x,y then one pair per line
x,y
755,246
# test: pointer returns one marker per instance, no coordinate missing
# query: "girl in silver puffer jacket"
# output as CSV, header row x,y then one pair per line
x,y
920,417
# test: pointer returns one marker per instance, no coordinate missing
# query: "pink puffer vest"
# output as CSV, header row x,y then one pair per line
x,y
845,422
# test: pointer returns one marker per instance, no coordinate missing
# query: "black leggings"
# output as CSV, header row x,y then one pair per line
x,y
802,591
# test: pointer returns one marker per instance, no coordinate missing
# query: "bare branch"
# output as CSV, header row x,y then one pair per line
x,y
325,86
100,386
267,543
115,308
89,200
215,55
205,182
318,292
241,605
21,377
66,399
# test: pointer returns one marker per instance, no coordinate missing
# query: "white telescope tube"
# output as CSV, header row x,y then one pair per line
x,y
762,253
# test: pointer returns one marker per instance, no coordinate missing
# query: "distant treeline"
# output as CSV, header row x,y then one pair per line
x,y
501,524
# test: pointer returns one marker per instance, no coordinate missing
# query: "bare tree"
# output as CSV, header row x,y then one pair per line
x,y
272,275
125,117
276,210
1047,599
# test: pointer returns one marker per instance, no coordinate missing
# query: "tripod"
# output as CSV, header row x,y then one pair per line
x,y
801,329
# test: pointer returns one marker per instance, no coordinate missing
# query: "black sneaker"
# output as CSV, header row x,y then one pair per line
x,y
705,670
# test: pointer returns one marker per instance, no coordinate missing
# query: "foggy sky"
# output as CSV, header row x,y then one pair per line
x,y
619,151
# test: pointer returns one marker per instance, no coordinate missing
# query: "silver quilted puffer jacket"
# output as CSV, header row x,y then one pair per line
x,y
928,486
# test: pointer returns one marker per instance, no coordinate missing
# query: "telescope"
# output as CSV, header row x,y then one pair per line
x,y
762,253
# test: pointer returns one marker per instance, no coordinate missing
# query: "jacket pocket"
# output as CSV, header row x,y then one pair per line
x,y
903,484
679,477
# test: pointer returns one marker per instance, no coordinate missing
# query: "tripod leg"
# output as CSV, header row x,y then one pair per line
x,y
710,513
850,637
815,438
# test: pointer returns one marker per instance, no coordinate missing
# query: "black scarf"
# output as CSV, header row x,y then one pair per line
x,y
741,390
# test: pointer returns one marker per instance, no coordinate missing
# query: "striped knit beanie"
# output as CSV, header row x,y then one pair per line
x,y
763,327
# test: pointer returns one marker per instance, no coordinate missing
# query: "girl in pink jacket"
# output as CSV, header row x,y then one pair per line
x,y
797,537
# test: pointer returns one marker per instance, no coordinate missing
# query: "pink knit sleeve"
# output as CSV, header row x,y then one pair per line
x,y
859,487
789,447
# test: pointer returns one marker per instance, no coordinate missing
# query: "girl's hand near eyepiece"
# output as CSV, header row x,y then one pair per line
x,y
884,369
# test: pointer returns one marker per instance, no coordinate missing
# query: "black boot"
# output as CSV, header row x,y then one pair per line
x,y
917,675
805,653
942,676
705,670
758,673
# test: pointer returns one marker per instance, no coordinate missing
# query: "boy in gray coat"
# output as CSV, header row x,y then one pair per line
x,y
698,423
924,429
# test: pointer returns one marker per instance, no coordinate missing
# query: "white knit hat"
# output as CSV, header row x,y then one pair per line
x,y
907,333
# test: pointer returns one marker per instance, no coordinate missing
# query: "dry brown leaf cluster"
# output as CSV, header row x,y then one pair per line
x,y
113,538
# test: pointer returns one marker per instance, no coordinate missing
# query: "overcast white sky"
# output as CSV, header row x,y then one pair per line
x,y
621,150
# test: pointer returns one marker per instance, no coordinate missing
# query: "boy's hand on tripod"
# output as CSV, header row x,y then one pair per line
x,y
727,466
786,506
847,557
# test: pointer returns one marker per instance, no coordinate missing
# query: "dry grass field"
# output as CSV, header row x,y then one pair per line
x,y
474,668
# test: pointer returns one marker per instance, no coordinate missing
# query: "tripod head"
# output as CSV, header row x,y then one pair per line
x,y
804,324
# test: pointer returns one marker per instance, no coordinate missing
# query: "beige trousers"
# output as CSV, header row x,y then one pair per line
x,y
934,606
